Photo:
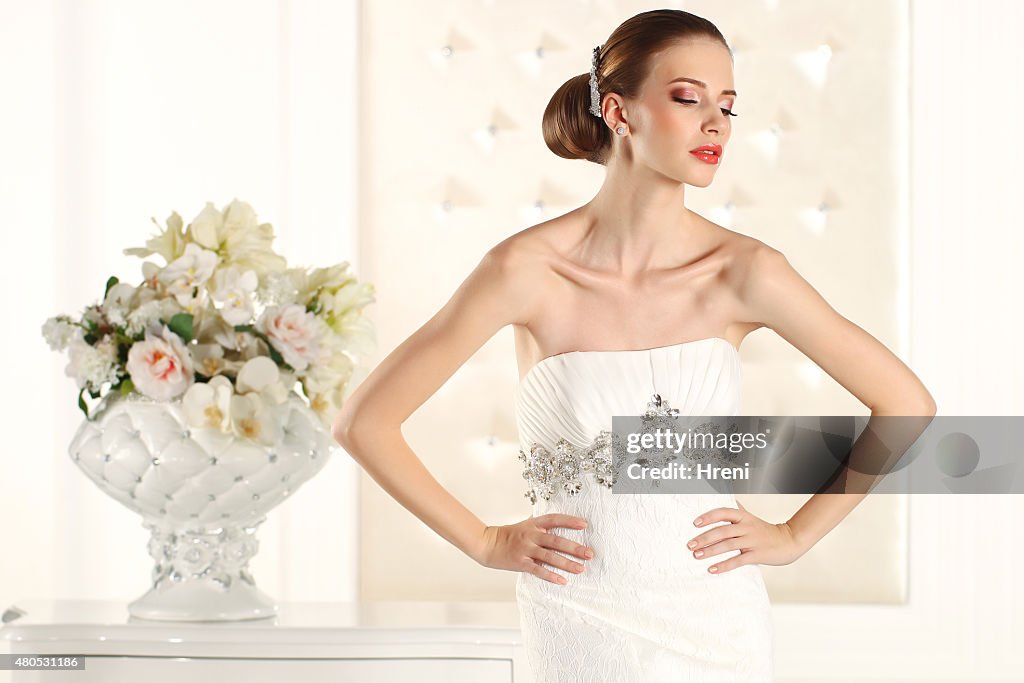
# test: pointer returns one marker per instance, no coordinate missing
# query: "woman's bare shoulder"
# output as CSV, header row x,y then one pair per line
x,y
533,252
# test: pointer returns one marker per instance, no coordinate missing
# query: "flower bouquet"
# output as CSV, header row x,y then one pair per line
x,y
193,418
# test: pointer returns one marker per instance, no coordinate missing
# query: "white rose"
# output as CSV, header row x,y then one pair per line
x,y
161,368
294,332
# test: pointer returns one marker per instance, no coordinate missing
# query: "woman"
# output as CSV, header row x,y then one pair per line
x,y
599,299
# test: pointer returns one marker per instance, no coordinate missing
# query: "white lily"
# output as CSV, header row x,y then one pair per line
x,y
237,237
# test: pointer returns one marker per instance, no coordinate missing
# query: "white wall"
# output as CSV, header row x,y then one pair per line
x,y
962,620
115,112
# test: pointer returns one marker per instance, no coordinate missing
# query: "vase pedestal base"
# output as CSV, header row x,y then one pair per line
x,y
203,600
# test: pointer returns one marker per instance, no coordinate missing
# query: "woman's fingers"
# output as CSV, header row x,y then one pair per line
x,y
549,540
554,519
556,560
539,571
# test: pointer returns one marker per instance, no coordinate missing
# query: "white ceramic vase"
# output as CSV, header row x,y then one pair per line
x,y
201,493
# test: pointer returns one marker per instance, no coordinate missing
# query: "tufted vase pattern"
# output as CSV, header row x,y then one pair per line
x,y
202,493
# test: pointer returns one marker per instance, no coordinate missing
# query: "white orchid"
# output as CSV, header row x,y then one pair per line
x,y
327,404
261,376
234,289
118,302
208,404
161,367
186,273
252,419
210,361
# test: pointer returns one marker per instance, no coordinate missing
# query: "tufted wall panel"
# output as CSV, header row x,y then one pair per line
x,y
453,162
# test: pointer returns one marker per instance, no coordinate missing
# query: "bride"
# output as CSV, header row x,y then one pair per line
x,y
629,301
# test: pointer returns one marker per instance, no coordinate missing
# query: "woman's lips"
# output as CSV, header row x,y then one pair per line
x,y
705,156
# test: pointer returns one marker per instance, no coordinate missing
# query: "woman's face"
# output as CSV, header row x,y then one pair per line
x,y
671,117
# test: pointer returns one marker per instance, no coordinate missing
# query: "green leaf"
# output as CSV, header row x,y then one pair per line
x,y
81,403
126,386
110,283
181,325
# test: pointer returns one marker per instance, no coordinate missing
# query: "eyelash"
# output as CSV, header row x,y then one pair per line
x,y
725,111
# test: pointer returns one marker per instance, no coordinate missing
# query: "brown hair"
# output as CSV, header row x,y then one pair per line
x,y
570,130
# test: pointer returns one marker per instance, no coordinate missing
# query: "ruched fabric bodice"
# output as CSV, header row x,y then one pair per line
x,y
573,395
644,609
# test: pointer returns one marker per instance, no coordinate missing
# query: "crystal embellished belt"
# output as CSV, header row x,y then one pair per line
x,y
563,469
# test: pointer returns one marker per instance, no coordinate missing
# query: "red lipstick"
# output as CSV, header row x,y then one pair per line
x,y
710,154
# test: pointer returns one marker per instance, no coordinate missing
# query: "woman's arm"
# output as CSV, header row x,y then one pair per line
x,y
369,424
775,295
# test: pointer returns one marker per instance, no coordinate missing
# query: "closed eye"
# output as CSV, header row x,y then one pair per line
x,y
727,112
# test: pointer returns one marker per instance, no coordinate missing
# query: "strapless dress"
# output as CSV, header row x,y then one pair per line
x,y
644,609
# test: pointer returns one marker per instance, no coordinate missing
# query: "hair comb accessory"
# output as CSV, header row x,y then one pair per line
x,y
595,95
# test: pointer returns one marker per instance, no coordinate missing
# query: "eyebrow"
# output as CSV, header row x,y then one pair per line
x,y
700,83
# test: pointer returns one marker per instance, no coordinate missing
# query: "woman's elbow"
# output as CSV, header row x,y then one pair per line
x,y
343,427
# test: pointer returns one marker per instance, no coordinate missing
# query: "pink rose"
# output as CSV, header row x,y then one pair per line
x,y
161,368
292,330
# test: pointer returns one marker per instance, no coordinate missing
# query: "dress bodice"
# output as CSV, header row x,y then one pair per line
x,y
565,403
645,608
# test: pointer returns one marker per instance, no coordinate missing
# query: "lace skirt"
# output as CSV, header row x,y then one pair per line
x,y
644,609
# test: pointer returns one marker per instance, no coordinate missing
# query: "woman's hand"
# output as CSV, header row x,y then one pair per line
x,y
758,541
527,546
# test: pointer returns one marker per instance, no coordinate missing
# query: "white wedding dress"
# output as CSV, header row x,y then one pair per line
x,y
644,609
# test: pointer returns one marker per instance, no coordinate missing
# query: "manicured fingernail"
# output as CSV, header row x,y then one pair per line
x,y
692,544
712,569
698,521
699,553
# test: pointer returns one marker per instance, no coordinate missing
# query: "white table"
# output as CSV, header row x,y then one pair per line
x,y
426,642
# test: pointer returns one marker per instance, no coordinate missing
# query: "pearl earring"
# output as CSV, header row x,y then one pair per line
x,y
620,130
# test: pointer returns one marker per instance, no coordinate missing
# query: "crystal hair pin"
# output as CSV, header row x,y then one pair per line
x,y
595,95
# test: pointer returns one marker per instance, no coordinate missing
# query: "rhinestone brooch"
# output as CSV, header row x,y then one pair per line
x,y
563,469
